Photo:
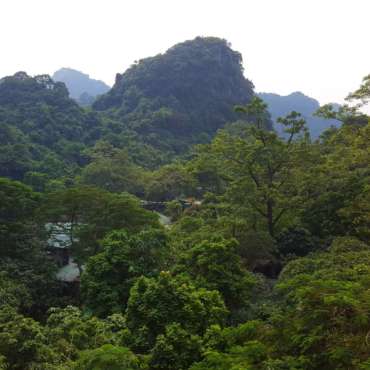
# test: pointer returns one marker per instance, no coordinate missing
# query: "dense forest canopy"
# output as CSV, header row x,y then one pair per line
x,y
42,130
123,246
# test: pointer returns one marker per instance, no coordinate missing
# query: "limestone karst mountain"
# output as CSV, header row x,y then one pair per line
x,y
81,87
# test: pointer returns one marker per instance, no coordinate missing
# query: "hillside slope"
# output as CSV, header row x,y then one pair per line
x,y
181,97
41,129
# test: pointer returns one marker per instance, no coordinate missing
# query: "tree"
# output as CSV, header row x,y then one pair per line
x,y
13,293
177,349
171,182
24,263
216,265
341,168
112,169
295,241
325,315
155,303
362,93
44,130
262,166
107,357
22,341
249,356
348,114
69,331
17,224
357,214
109,275
91,213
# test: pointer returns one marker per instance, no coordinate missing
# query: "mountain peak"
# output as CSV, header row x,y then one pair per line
x,y
81,87
182,96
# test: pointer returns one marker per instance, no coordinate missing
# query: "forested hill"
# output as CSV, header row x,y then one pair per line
x,y
155,112
42,130
182,96
279,106
81,87
265,264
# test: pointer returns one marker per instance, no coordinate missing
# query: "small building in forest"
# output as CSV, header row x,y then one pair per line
x,y
59,241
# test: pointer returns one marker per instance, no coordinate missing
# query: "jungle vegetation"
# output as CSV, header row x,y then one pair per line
x,y
266,266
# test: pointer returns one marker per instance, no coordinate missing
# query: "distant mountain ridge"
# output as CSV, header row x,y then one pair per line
x,y
279,105
81,87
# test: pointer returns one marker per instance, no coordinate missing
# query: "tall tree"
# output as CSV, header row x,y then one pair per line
x,y
110,274
262,166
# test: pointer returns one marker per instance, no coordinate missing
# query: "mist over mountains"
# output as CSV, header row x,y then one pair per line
x,y
280,106
81,87
85,90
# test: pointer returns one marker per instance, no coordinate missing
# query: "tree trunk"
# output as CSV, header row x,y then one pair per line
x,y
270,218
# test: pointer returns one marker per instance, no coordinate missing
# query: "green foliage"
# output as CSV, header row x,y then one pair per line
x,y
174,209
217,218
326,312
171,182
347,244
177,349
107,357
180,97
69,331
41,124
13,294
247,357
18,203
341,167
23,343
223,339
259,165
267,269
156,303
362,93
111,169
109,275
349,115
92,214
295,241
26,268
216,265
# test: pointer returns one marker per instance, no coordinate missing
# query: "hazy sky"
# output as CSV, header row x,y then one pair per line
x,y
320,47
